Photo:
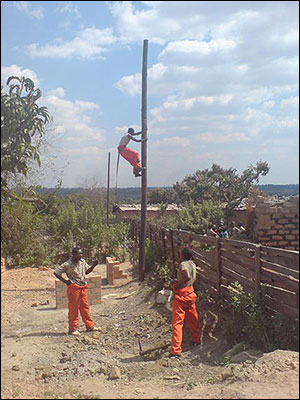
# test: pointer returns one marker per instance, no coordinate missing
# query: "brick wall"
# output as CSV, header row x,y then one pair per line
x,y
113,270
277,225
94,293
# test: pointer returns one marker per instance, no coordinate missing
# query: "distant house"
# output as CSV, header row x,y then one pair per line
x,y
154,211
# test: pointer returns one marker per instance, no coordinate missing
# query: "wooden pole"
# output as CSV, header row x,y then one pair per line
x,y
218,265
144,164
257,271
107,193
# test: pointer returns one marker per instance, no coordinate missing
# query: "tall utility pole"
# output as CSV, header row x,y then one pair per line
x,y
144,164
107,194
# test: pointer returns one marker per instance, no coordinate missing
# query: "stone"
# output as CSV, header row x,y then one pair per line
x,y
249,355
164,296
235,349
115,372
228,373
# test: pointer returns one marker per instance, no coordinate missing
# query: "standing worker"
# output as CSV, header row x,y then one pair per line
x,y
76,270
184,304
130,155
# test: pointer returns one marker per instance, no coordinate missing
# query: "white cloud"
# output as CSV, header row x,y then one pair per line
x,y
27,8
212,138
15,70
173,141
90,43
69,7
72,119
289,106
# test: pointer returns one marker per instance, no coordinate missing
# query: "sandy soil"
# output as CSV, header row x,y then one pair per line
x,y
40,361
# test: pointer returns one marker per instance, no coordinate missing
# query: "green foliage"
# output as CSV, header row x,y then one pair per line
x,y
152,255
161,195
21,121
23,232
197,217
164,275
251,323
31,237
219,184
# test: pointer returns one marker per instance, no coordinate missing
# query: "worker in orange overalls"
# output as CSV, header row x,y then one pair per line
x,y
76,270
184,308
130,155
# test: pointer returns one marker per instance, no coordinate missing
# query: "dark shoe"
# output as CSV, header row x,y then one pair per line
x,y
136,175
176,356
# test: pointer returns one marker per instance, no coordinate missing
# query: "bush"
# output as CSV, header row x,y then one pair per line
x,y
31,237
24,238
253,324
152,255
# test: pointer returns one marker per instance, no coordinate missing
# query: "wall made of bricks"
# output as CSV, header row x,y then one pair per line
x,y
113,270
277,225
94,292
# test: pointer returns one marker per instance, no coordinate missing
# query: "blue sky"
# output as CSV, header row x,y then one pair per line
x,y
223,85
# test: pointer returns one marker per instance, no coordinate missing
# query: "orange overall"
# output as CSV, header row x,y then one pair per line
x,y
184,309
132,156
78,301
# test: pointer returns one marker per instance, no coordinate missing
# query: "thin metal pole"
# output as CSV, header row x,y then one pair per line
x,y
144,164
107,194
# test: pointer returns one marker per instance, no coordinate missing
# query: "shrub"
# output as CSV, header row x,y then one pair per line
x,y
253,323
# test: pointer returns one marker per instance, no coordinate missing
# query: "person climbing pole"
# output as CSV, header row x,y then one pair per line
x,y
130,155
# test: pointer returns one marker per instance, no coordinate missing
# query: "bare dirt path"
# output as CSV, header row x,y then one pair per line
x,y
40,361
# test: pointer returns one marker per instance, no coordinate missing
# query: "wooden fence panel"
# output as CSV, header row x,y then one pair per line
x,y
280,269
267,270
286,297
275,305
276,279
199,259
286,258
208,256
208,273
247,262
233,276
240,269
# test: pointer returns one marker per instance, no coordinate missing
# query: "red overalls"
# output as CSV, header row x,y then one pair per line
x,y
184,309
130,155
78,301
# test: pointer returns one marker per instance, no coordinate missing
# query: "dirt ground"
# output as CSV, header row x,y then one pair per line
x,y
41,361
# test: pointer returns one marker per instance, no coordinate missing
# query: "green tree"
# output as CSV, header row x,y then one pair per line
x,y
219,184
161,195
197,217
22,121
